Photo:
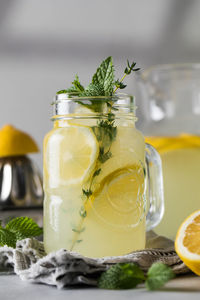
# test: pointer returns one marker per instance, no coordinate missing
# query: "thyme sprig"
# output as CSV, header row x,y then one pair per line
x,y
127,71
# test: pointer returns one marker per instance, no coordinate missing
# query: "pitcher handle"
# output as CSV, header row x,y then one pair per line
x,y
154,188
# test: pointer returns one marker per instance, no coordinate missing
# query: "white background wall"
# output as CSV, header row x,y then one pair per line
x,y
43,43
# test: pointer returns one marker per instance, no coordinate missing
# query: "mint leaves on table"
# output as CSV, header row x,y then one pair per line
x,y
157,275
129,275
121,276
18,229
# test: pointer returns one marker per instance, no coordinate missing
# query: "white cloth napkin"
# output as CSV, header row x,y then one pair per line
x,y
65,269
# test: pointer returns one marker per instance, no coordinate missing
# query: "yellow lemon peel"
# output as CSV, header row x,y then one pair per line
x,y
14,142
187,243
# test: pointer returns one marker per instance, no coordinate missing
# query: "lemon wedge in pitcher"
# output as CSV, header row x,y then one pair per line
x,y
71,154
169,143
187,244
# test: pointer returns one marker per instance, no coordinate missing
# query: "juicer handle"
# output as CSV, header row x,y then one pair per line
x,y
154,188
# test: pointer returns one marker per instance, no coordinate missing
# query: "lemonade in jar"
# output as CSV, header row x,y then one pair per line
x,y
95,172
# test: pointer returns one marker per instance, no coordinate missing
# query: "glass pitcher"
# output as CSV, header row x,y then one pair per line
x,y
170,111
96,178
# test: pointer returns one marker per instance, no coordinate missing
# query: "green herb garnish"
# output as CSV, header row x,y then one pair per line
x,y
129,275
18,229
158,275
103,82
121,276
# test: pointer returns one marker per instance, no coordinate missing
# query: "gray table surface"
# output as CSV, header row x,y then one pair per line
x,y
12,288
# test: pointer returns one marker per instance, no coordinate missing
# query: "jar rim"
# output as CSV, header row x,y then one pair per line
x,y
72,97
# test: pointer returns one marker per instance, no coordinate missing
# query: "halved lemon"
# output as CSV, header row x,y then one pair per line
x,y
14,142
187,244
70,155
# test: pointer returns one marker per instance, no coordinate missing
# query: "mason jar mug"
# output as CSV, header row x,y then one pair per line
x,y
103,185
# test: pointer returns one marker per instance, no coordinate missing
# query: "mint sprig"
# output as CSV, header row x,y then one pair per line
x,y
127,71
103,83
129,275
77,85
18,229
158,275
75,90
121,276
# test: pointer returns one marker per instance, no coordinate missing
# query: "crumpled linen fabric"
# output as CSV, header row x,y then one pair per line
x,y
69,269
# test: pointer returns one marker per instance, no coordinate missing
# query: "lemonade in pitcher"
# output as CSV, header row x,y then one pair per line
x,y
181,172
95,171
170,113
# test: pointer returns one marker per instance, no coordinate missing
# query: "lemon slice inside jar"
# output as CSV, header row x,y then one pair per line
x,y
127,149
71,154
119,199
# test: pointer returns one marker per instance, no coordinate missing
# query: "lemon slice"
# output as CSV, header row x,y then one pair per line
x,y
187,244
71,154
126,150
119,200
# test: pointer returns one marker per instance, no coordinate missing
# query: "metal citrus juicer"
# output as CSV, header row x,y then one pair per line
x,y
21,192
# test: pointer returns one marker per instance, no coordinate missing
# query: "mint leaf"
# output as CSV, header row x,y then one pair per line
x,y
75,89
121,276
93,90
23,227
72,90
77,85
104,76
158,274
18,229
7,238
61,92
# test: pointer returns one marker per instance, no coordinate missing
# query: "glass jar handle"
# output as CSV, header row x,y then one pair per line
x,y
154,190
